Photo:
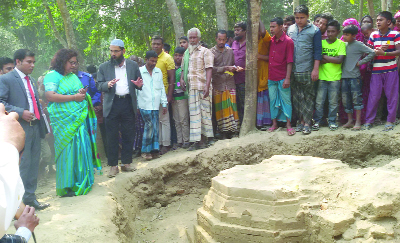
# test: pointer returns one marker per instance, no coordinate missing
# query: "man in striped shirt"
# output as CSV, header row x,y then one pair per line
x,y
386,43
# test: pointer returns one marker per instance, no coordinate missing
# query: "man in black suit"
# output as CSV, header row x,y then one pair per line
x,y
118,79
18,93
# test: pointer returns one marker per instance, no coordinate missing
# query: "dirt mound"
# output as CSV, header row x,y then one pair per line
x,y
179,173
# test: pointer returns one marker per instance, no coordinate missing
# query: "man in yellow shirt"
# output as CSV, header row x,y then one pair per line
x,y
167,65
263,109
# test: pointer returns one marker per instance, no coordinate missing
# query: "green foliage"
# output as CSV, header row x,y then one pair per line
x,y
25,23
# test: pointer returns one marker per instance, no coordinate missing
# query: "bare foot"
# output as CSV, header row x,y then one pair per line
x,y
349,124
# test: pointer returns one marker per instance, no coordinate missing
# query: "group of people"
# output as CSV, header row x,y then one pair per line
x,y
185,100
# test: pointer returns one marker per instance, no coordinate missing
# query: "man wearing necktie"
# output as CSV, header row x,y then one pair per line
x,y
18,93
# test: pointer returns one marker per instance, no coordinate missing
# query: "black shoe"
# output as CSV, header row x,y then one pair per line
x,y
37,205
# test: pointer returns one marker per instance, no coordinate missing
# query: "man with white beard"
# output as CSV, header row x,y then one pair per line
x,y
197,72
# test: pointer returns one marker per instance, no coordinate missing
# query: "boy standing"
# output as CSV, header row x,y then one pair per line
x,y
351,76
180,105
330,72
149,99
307,49
386,43
280,69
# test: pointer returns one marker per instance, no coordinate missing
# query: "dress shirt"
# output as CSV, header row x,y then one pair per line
x,y
201,59
122,86
165,63
28,93
221,80
153,90
11,189
240,60
280,54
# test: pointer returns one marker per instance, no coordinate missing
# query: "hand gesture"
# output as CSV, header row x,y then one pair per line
x,y
111,83
83,91
315,75
138,82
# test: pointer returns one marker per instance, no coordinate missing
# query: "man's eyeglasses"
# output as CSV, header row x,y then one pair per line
x,y
115,51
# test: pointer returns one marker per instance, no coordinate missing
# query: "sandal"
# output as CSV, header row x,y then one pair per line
x,y
272,129
291,131
147,156
264,128
299,128
366,126
356,128
315,127
388,127
306,130
333,127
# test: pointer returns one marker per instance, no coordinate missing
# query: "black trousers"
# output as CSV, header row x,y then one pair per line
x,y
29,167
121,116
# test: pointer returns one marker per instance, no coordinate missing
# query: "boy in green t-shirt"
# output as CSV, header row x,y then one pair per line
x,y
330,73
180,106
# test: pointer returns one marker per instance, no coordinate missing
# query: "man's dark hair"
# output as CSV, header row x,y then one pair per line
x,y
184,38
91,69
157,37
222,32
301,9
367,16
61,58
203,44
386,14
289,18
180,50
167,47
350,29
230,34
277,20
317,16
394,21
4,61
241,24
21,54
151,54
327,16
334,23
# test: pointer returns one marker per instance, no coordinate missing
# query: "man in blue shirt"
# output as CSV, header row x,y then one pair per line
x,y
87,80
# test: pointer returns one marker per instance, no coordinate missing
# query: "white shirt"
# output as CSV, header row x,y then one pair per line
x,y
153,90
22,75
11,189
122,86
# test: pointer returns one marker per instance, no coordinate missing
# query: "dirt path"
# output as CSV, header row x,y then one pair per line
x,y
158,202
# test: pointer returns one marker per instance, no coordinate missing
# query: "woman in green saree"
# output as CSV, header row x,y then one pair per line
x,y
74,124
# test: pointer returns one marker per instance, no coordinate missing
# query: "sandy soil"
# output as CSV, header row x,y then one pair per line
x,y
158,202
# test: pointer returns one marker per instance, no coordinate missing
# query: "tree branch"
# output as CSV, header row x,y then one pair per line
x,y
53,26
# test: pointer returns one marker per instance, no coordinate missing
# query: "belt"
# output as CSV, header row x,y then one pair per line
x,y
123,96
34,122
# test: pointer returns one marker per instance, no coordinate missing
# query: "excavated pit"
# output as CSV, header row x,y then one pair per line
x,y
179,173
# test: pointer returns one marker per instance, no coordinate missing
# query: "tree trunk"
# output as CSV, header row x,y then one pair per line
x,y
384,5
69,30
360,10
295,4
53,25
390,5
371,9
176,20
222,16
250,104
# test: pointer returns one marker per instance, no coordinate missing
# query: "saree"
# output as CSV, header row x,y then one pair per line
x,y
74,127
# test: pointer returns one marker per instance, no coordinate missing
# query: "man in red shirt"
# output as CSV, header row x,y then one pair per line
x,y
280,68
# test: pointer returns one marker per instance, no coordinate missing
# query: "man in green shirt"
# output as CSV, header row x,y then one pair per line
x,y
330,74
